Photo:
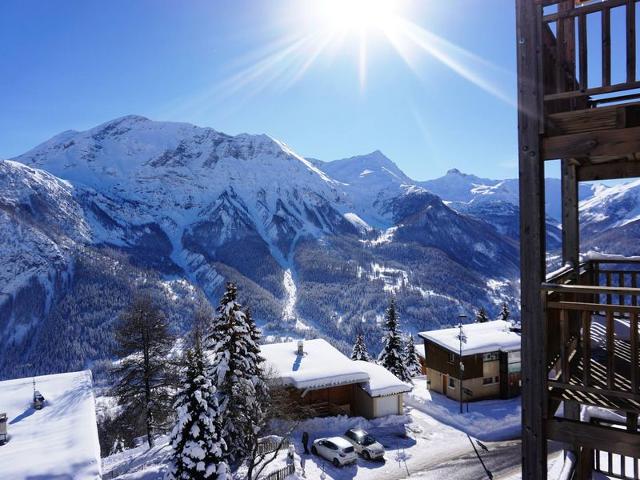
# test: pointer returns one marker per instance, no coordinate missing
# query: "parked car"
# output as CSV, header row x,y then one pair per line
x,y
335,449
365,444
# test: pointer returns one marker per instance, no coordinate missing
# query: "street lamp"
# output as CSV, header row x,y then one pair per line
x,y
462,339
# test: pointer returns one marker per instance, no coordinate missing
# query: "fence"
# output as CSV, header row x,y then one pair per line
x,y
269,446
282,473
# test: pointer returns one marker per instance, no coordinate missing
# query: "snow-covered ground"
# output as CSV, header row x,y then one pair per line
x,y
488,420
59,441
431,433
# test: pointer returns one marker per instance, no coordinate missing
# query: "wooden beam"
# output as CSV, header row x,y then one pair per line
x,y
613,142
631,40
570,223
532,238
582,52
593,307
594,119
622,168
610,392
594,436
618,87
606,47
608,290
586,348
583,10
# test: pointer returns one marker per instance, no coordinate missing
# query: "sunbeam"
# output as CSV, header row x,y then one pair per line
x,y
330,28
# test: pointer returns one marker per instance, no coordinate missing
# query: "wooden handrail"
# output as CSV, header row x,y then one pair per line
x,y
627,395
583,10
593,307
588,289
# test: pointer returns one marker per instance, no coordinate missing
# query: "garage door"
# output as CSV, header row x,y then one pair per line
x,y
387,406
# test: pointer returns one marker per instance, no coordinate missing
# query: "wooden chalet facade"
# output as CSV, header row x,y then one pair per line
x,y
574,352
491,370
325,382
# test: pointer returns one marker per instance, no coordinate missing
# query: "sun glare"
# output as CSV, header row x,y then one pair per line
x,y
317,29
346,16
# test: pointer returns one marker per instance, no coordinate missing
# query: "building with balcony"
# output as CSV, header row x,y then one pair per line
x,y
578,104
490,361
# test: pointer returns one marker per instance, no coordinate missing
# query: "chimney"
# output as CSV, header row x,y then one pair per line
x,y
300,347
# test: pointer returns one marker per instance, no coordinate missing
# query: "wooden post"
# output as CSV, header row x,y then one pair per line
x,y
532,239
570,223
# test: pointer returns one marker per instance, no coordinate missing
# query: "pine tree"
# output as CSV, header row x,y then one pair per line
x,y
481,316
360,349
235,371
411,359
505,313
198,446
144,377
392,352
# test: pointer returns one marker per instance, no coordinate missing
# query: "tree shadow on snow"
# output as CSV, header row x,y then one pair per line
x,y
27,413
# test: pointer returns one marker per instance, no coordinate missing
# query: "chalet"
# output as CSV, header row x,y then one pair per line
x,y
490,359
59,438
330,383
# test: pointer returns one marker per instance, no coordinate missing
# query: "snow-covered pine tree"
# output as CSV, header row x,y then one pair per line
x,y
360,349
198,445
481,316
411,359
391,356
505,313
235,371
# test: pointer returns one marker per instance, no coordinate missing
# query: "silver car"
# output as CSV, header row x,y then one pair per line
x,y
335,449
365,444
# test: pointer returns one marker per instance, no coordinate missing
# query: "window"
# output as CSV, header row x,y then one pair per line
x,y
490,357
490,380
452,383
452,357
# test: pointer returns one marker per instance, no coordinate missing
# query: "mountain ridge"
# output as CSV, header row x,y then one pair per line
x,y
316,247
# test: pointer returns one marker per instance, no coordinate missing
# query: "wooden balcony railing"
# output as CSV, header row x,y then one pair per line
x,y
592,335
567,40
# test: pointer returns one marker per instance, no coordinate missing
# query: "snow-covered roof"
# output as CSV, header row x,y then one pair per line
x,y
321,365
480,338
59,441
381,381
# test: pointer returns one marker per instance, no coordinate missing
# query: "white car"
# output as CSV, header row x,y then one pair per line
x,y
335,449
365,444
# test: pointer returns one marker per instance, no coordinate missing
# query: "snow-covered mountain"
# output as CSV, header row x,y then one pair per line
x,y
463,190
316,247
610,220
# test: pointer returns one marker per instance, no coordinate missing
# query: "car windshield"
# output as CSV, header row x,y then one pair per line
x,y
367,440
348,450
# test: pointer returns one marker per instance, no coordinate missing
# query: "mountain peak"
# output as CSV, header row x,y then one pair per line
x,y
454,171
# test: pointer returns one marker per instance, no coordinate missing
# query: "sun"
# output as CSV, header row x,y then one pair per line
x,y
348,16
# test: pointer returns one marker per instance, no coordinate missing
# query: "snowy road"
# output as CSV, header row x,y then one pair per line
x,y
502,458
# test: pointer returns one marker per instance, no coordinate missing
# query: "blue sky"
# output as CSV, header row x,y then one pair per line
x,y
74,64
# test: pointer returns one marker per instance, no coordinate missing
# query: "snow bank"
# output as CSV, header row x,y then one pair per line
x,y
488,420
59,441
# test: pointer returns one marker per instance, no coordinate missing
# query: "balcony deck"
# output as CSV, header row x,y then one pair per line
x,y
592,348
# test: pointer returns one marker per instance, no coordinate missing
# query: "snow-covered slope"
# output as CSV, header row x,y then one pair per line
x,y
369,181
40,225
458,187
178,175
611,207
59,441
183,209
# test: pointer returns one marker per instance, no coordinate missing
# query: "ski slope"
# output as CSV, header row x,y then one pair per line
x,y
61,440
